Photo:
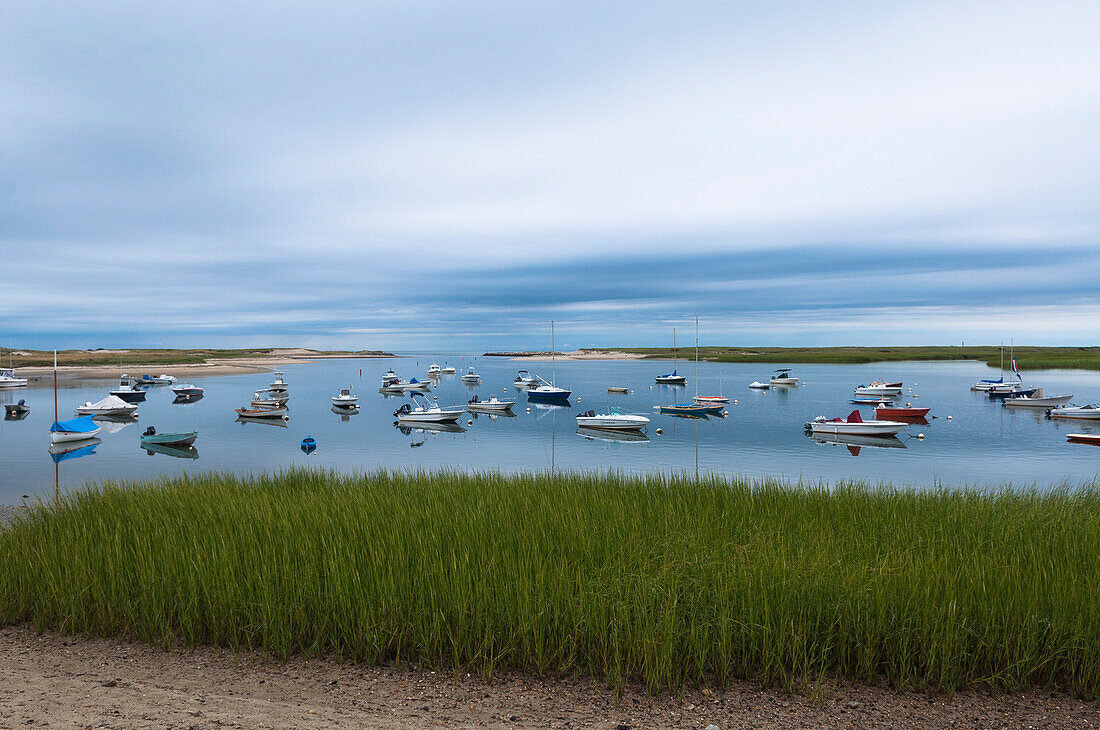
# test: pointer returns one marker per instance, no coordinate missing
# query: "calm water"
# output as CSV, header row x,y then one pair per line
x,y
985,443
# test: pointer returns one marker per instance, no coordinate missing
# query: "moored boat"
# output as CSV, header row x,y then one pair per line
x,y
1037,400
1084,438
892,413
448,370
617,389
1091,412
129,390
686,409
434,370
161,379
183,438
613,421
524,380
75,429
470,376
494,404
110,406
854,425
16,411
187,390
878,387
269,412
345,398
757,385
783,376
424,411
711,400
8,379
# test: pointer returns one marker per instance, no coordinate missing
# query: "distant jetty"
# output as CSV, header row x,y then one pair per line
x,y
525,353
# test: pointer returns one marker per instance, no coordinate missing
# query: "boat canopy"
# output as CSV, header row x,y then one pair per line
x,y
111,401
84,424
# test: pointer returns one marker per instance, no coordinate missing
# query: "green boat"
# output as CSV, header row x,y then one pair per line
x,y
151,437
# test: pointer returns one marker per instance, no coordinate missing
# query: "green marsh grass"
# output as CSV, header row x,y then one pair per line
x,y
669,580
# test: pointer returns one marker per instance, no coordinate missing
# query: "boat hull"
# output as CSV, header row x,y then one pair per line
x,y
65,437
865,428
430,417
130,396
1084,414
899,414
261,412
1084,438
1038,402
613,423
490,407
557,396
170,439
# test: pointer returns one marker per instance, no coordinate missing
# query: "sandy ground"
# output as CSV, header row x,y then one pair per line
x,y
57,681
584,355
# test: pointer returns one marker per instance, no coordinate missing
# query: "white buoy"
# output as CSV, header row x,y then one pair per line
x,y
632,392
470,422
659,432
949,418
725,413
528,410
735,402
916,396
578,399
920,435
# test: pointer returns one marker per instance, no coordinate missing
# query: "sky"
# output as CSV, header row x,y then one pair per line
x,y
418,175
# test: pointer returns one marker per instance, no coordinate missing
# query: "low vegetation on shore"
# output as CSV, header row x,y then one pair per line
x,y
669,580
1029,358
43,358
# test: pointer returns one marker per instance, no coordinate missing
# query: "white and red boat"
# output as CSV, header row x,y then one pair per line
x,y
897,413
716,400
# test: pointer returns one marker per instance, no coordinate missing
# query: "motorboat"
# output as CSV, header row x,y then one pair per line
x,y
1084,438
183,438
1090,412
345,399
278,384
757,385
161,379
76,429
413,385
187,390
548,393
129,390
424,411
878,387
854,425
1038,400
269,398
390,378
612,436
470,376
524,380
262,412
686,409
617,389
871,400
673,378
112,405
178,451
783,377
448,370
714,400
16,411
434,370
892,413
613,421
391,389
8,379
493,405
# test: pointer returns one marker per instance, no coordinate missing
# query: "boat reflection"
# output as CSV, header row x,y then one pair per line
x,y
595,434
345,412
114,424
179,452
183,400
492,416
277,422
409,429
855,443
73,449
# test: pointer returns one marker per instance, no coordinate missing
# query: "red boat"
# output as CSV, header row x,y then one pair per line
x,y
888,413
1084,438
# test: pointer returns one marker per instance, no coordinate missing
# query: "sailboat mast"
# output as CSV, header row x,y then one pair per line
x,y
55,386
697,359
553,357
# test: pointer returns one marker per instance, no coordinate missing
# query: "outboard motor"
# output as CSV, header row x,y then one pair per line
x,y
474,399
403,410
589,414
150,432
22,402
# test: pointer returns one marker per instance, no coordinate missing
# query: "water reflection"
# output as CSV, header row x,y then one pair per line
x,y
855,443
595,434
179,452
184,399
277,422
73,449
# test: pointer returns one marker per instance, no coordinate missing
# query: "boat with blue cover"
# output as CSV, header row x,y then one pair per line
x,y
75,429
309,444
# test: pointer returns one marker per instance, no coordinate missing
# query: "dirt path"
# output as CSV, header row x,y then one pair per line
x,y
56,681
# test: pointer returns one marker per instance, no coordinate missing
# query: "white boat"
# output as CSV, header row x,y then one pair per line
x,y
470,376
278,384
1091,412
161,379
878,388
129,390
613,421
757,385
390,378
345,399
262,412
854,425
1038,400
783,377
448,370
524,380
434,369
76,429
424,411
8,379
493,405
716,400
109,406
412,385
187,390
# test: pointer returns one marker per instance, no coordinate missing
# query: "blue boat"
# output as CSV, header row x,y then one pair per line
x,y
75,429
689,409
1019,393
309,444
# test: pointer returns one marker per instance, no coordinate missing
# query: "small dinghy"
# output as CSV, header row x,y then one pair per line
x,y
112,405
129,390
161,379
309,444
854,425
76,429
15,411
345,399
711,400
687,409
183,438
424,411
1091,412
493,405
757,385
270,412
613,421
617,389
